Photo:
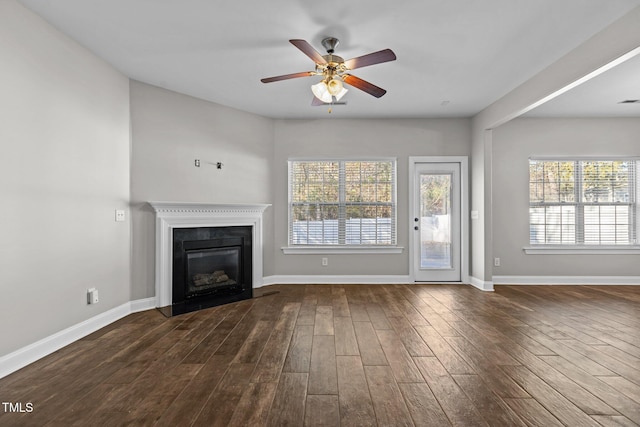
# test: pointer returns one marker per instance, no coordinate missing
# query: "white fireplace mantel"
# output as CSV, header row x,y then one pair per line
x,y
170,215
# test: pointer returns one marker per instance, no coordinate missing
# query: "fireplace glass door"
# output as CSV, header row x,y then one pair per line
x,y
212,270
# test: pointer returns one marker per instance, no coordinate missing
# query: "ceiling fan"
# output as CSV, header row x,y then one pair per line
x,y
334,71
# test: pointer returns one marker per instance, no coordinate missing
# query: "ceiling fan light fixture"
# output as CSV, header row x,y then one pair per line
x,y
341,94
336,88
321,91
333,70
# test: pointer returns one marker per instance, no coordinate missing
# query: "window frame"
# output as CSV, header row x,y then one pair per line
x,y
343,248
633,247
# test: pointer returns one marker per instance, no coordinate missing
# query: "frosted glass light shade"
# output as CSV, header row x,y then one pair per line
x,y
341,93
321,91
334,86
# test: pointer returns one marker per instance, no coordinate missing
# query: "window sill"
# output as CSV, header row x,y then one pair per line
x,y
313,250
581,250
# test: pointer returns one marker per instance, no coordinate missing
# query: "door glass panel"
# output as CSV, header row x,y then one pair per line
x,y
435,221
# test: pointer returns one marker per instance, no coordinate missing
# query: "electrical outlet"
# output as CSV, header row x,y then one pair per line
x,y
92,296
120,215
496,262
325,261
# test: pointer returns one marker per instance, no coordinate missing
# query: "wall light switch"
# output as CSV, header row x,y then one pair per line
x,y
325,262
120,215
475,215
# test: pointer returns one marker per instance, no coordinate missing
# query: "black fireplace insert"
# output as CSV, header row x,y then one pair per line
x,y
211,266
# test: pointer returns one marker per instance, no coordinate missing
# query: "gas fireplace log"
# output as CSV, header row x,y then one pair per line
x,y
203,279
216,277
220,276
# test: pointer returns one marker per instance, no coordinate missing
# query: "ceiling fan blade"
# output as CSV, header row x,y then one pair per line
x,y
381,56
287,77
363,85
308,50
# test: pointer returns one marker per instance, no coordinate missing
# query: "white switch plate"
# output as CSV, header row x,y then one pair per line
x,y
474,215
120,215
496,262
325,262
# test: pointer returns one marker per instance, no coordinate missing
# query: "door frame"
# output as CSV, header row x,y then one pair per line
x,y
464,211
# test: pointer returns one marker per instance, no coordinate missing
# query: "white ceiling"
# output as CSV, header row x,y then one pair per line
x,y
454,57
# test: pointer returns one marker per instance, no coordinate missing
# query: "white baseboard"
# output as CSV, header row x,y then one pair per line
x,y
483,285
39,349
143,304
566,280
335,279
360,279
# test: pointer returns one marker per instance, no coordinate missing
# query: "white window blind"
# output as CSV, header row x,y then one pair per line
x,y
342,202
583,202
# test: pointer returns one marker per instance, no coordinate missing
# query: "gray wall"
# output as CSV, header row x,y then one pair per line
x,y
610,44
169,132
513,144
64,170
344,138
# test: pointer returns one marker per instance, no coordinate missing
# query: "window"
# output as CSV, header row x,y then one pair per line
x,y
586,202
342,202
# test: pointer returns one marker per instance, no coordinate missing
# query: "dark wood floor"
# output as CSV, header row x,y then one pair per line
x,y
387,355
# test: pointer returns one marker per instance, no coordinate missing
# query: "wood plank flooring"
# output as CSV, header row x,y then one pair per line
x,y
352,355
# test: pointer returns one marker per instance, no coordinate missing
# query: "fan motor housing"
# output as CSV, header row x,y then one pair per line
x,y
333,60
334,66
330,44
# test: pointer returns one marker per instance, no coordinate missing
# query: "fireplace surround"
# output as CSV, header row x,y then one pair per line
x,y
211,266
185,216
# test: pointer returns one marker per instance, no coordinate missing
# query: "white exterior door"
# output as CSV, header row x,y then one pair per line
x,y
436,222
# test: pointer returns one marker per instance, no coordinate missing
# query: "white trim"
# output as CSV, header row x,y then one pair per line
x,y
339,249
581,250
464,209
142,304
336,279
580,206
39,349
584,158
343,159
178,209
481,284
594,73
393,160
399,279
170,215
566,280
